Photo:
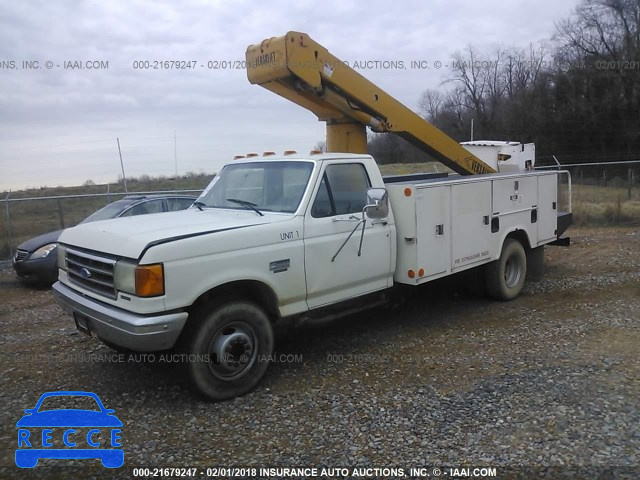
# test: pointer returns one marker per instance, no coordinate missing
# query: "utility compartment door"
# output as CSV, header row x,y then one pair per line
x,y
547,207
471,232
433,212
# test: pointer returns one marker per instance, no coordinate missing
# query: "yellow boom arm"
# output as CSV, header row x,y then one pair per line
x,y
301,70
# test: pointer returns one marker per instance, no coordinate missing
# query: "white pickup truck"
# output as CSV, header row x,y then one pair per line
x,y
294,237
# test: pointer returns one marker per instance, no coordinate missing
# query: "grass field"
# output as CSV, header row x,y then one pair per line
x,y
592,205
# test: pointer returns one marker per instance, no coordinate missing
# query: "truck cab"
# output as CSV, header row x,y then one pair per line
x,y
276,235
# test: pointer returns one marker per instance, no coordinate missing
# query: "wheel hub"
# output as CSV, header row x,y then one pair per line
x,y
512,272
232,351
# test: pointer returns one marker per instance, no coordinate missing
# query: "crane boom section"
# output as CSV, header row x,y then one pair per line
x,y
304,72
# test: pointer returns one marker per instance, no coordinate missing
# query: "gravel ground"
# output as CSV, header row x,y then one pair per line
x,y
551,379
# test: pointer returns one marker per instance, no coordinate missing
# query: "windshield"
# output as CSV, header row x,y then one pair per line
x,y
66,402
266,186
110,211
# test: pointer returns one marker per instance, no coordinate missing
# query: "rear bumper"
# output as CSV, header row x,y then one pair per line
x,y
111,458
139,333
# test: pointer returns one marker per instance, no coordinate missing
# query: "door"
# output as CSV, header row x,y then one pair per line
x,y
433,212
471,237
547,207
334,213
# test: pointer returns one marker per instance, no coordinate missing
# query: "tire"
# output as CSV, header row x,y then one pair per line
x,y
231,345
505,277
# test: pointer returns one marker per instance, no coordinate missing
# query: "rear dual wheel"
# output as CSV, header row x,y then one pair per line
x,y
505,277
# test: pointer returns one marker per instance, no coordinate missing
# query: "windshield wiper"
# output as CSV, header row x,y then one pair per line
x,y
199,204
244,203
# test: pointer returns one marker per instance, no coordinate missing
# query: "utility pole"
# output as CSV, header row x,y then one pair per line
x,y
472,129
175,152
124,177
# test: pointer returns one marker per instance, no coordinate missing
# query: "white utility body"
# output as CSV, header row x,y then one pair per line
x,y
448,225
293,237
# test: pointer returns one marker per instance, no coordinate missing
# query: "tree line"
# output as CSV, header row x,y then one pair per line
x,y
576,96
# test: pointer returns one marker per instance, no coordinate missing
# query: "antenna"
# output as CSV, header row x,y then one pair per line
x,y
124,177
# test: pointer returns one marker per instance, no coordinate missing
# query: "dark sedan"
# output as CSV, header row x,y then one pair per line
x,y
35,259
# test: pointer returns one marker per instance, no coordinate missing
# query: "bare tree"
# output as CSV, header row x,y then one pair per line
x,y
431,104
602,29
321,146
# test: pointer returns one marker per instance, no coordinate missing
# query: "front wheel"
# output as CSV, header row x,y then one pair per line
x,y
230,346
505,277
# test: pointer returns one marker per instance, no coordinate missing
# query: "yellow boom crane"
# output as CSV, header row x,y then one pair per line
x,y
304,72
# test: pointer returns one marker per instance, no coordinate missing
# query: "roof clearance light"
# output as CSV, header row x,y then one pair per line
x,y
250,155
315,152
238,157
290,152
268,154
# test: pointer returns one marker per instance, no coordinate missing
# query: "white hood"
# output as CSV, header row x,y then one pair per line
x,y
128,236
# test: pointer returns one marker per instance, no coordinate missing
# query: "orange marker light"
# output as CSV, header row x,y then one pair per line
x,y
268,154
407,192
421,272
249,155
290,152
411,274
238,157
150,280
315,152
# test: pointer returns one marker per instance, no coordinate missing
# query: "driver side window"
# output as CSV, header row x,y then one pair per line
x,y
343,190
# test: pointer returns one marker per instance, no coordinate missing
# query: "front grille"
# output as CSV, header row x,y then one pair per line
x,y
21,255
92,272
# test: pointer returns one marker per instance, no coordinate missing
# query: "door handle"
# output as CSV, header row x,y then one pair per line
x,y
350,218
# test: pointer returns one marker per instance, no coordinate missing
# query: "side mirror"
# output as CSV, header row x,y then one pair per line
x,y
377,203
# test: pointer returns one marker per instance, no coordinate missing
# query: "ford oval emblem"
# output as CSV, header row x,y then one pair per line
x,y
85,273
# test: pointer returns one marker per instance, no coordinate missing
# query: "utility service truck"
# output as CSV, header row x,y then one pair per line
x,y
307,237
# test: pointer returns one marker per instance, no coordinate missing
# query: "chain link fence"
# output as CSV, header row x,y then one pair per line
x,y
23,218
603,193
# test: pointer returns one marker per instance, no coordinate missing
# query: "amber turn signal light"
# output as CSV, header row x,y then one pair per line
x,y
150,280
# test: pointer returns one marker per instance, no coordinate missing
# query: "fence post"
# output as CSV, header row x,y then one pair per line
x,y
9,232
60,215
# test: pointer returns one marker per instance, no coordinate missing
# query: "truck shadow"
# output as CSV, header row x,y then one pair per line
x,y
312,350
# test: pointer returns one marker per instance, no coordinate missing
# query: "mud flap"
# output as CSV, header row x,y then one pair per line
x,y
535,264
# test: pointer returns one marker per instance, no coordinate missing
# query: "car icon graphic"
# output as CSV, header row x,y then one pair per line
x,y
79,433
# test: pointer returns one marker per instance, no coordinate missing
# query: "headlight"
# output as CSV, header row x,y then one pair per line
x,y
140,280
43,252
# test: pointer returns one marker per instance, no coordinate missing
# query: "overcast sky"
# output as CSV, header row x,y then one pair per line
x,y
58,126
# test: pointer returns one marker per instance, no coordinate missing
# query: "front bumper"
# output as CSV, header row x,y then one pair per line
x,y
139,333
44,270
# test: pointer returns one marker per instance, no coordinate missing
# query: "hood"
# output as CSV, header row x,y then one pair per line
x,y
40,241
129,236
